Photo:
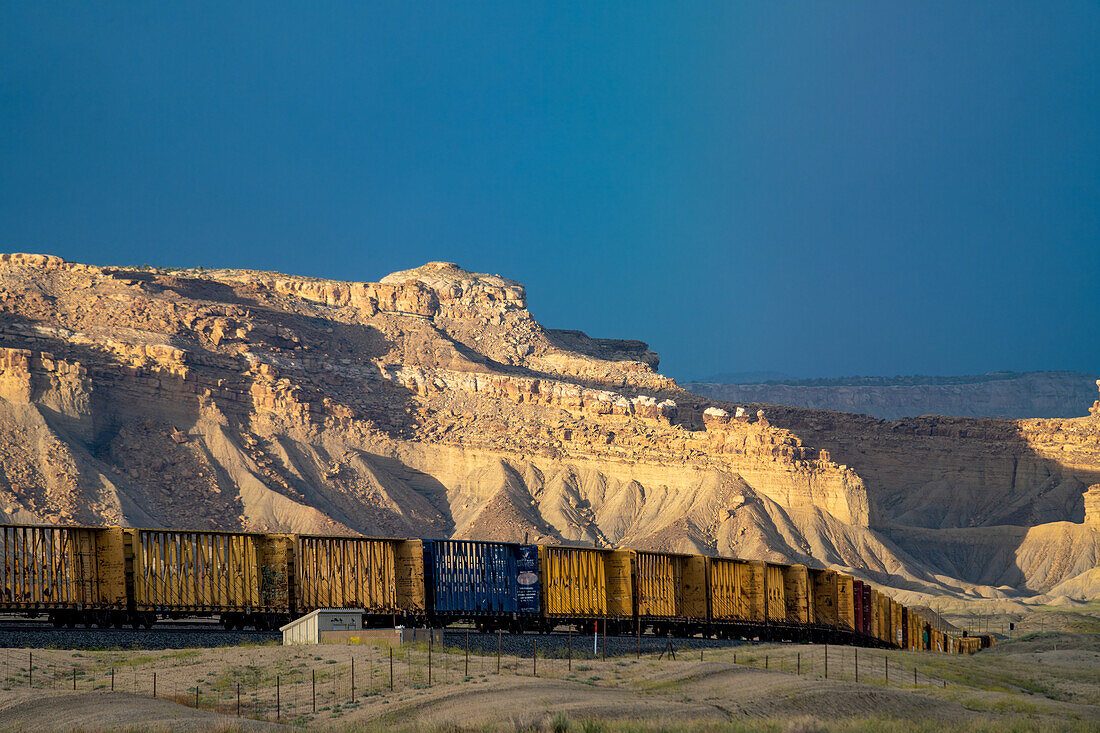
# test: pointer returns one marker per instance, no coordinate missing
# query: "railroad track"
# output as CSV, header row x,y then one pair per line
x,y
168,628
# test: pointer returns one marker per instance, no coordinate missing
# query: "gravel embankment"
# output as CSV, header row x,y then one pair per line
x,y
557,645
38,636
182,636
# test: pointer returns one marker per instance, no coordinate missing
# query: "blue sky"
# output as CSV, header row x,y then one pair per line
x,y
817,189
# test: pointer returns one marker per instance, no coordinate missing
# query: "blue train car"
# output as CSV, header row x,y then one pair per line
x,y
494,584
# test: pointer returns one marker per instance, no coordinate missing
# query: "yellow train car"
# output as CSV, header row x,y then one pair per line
x,y
775,604
872,610
825,597
936,640
582,582
669,585
896,623
797,594
727,581
61,569
357,572
845,602
197,572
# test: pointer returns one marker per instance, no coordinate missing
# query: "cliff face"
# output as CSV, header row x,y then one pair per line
x,y
431,403
1036,394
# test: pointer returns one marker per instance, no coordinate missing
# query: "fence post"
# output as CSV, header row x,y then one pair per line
x,y
499,633
314,690
74,677
605,639
112,679
914,676
638,653
278,697
467,673
391,669
765,661
196,693
30,669
534,656
857,664
570,648
353,679
799,662
887,660
154,685
238,699
429,657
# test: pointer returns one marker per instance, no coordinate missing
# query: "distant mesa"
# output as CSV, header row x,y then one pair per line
x,y
998,394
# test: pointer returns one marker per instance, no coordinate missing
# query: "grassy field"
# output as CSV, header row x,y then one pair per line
x,y
1039,682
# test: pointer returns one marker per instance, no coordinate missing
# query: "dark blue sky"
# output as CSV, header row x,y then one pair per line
x,y
818,189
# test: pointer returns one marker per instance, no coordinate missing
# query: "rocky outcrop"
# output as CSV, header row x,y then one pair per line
x,y
431,403
1092,505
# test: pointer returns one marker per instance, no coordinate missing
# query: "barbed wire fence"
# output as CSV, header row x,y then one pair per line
x,y
301,684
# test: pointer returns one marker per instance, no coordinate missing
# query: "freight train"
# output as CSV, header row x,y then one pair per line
x,y
115,576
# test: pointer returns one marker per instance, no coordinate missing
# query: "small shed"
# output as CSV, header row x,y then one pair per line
x,y
315,626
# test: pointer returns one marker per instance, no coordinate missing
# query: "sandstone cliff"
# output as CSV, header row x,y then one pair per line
x,y
431,403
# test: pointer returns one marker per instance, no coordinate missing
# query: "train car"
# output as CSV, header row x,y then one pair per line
x,y
755,590
775,603
845,602
936,639
857,605
670,590
870,611
798,595
73,574
887,619
493,584
185,573
970,645
896,623
586,585
727,580
865,606
825,597
917,641
359,572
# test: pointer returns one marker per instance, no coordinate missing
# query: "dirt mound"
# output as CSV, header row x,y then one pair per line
x,y
40,710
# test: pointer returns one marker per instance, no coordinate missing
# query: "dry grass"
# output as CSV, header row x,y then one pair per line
x,y
1024,685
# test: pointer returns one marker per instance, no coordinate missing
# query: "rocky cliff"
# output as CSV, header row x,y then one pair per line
x,y
431,403
1034,394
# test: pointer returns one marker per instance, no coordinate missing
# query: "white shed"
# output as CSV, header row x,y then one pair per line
x,y
312,628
